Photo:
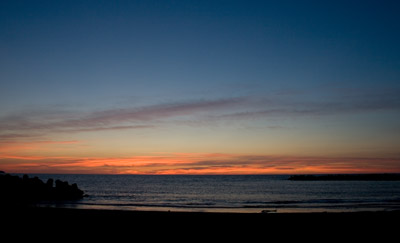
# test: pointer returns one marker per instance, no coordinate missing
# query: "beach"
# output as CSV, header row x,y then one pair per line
x,y
38,219
168,207
229,194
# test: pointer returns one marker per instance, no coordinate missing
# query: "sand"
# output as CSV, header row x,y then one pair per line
x,y
75,221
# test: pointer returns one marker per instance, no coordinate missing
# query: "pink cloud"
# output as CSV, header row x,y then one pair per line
x,y
30,126
203,164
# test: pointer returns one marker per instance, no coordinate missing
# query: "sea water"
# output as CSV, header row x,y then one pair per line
x,y
229,193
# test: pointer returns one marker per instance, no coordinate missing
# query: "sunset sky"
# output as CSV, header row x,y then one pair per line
x,y
199,87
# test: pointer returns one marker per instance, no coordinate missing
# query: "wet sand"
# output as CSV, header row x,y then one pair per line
x,y
116,222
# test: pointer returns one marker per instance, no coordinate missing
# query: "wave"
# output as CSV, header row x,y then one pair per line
x,y
307,204
235,193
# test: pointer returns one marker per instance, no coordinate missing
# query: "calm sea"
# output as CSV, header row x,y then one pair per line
x,y
243,193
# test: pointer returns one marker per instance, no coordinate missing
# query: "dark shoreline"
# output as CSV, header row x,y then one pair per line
x,y
60,224
112,218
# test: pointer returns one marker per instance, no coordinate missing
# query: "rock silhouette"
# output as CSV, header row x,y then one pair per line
x,y
16,190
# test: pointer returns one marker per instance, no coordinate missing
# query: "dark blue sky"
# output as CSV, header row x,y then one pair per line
x,y
289,68
66,50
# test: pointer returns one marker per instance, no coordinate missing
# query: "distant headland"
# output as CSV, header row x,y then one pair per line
x,y
347,177
15,190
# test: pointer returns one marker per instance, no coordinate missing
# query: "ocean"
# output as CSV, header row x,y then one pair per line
x,y
228,193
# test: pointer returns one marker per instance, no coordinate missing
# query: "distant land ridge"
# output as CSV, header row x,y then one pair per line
x,y
346,177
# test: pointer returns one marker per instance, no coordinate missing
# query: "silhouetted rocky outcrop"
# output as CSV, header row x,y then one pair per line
x,y
347,177
16,190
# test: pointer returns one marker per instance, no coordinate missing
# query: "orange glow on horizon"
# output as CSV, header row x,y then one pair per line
x,y
197,164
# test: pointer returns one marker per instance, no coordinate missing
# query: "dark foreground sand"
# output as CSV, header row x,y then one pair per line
x,y
167,224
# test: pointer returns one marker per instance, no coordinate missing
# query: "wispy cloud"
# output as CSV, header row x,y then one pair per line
x,y
344,105
6,137
15,147
201,164
27,125
30,124
94,129
150,113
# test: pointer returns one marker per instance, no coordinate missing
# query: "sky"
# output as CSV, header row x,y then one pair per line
x,y
200,87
